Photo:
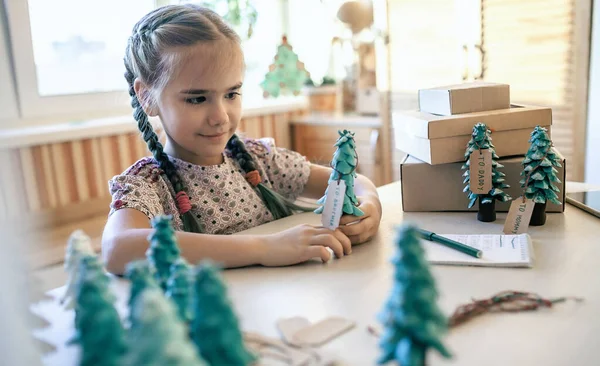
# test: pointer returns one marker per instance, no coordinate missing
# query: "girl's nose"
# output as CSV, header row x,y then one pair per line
x,y
218,115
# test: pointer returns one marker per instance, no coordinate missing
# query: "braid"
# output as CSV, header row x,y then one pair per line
x,y
278,205
189,222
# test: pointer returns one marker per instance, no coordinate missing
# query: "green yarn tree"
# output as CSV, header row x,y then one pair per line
x,y
141,277
179,289
481,139
159,338
539,174
412,321
344,165
163,250
286,75
78,246
98,326
215,329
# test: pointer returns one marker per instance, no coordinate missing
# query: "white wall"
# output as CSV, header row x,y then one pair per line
x,y
592,156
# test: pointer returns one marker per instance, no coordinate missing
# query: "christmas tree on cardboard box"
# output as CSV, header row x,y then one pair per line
x,y
286,75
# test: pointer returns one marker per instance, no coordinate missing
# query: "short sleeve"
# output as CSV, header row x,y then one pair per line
x,y
287,171
131,191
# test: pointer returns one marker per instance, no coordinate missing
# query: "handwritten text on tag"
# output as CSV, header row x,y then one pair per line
x,y
519,215
480,171
332,211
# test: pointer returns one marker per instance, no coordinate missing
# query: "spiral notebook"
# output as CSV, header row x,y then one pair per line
x,y
498,251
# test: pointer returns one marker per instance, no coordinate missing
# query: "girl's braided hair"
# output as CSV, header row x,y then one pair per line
x,y
167,27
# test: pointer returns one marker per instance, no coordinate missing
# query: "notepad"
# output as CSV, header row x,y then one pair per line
x,y
498,251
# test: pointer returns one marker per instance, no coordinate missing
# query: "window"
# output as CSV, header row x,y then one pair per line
x,y
8,100
68,54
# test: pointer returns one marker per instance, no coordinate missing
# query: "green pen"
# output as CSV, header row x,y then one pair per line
x,y
428,235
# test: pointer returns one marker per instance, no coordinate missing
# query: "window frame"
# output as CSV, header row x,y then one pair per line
x,y
31,104
8,98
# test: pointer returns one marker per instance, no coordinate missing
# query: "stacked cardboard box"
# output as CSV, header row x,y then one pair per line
x,y
436,136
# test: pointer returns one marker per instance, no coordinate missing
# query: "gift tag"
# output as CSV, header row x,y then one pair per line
x,y
480,171
519,215
334,203
317,334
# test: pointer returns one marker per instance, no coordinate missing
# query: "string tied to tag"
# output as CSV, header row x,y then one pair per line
x,y
506,301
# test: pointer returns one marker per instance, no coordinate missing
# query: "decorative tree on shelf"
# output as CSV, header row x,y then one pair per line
x,y
141,276
159,338
539,174
179,289
215,328
481,140
163,250
286,75
344,165
78,246
412,321
98,326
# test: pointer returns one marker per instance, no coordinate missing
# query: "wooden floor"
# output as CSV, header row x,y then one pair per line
x,y
47,261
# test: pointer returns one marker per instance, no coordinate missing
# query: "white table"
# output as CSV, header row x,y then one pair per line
x,y
567,251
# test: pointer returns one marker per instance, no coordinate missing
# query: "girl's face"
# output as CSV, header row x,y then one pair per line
x,y
201,106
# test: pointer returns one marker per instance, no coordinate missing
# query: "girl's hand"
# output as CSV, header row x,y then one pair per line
x,y
301,243
367,227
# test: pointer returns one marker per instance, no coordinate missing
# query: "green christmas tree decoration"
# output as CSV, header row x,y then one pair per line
x,y
163,250
98,326
481,139
286,75
215,329
327,81
179,289
344,165
79,245
412,321
141,276
539,174
159,338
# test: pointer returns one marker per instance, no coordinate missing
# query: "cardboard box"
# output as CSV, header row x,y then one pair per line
x,y
443,139
431,188
464,98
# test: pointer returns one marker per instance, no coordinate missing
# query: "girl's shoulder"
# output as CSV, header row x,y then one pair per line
x,y
147,168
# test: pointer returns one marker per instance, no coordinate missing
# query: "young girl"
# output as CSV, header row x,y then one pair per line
x,y
185,65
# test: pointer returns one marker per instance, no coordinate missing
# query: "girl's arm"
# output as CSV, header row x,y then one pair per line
x,y
125,239
368,199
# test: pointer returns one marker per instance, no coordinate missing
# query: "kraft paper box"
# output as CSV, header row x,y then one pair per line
x,y
464,98
431,188
443,139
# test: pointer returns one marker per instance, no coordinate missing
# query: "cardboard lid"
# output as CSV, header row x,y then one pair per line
x,y
431,126
474,84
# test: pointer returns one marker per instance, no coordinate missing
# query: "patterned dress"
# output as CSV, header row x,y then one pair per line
x,y
222,200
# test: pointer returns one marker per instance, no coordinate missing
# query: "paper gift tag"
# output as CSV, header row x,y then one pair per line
x,y
322,332
289,326
480,171
332,210
519,215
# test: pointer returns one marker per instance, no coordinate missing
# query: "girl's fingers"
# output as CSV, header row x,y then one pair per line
x,y
346,243
318,251
357,229
347,219
329,240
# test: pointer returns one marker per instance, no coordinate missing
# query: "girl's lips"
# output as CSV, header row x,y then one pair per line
x,y
213,137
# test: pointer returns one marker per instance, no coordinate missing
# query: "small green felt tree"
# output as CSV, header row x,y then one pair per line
x,y
179,289
159,338
286,75
163,250
481,139
344,165
412,321
141,276
539,174
98,326
78,246
215,329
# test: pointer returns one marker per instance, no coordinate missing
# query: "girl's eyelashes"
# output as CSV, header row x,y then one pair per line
x,y
232,95
197,100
